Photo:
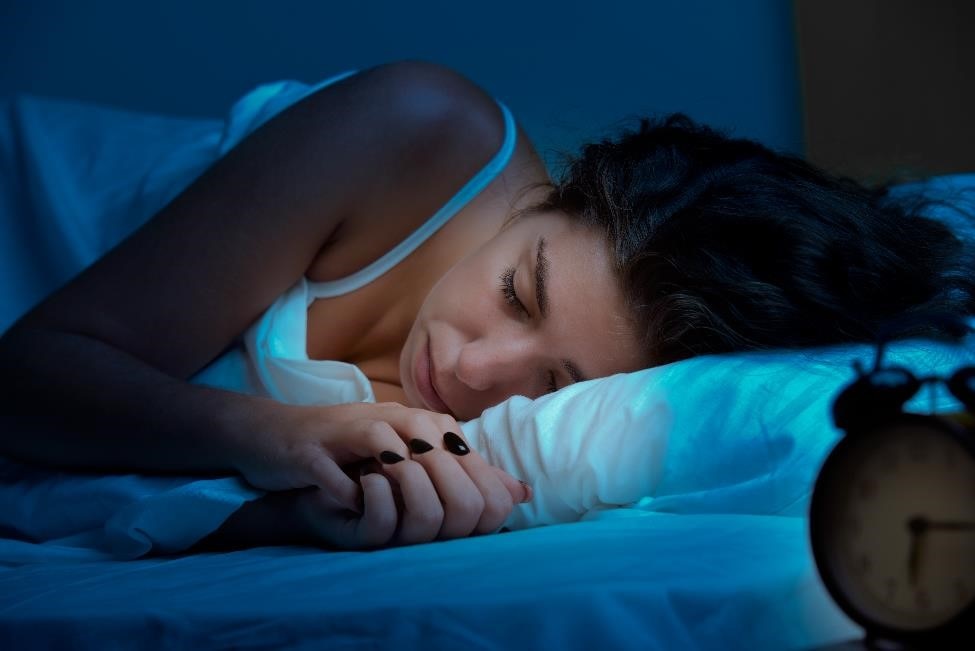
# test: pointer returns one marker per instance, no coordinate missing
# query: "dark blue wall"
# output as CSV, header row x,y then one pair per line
x,y
569,70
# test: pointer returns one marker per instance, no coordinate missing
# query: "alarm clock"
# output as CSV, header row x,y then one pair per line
x,y
892,514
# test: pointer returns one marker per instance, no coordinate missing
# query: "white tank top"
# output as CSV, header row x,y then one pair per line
x,y
271,359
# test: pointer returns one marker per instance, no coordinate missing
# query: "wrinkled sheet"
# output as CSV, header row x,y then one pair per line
x,y
651,581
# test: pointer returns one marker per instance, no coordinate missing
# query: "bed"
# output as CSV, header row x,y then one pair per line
x,y
670,506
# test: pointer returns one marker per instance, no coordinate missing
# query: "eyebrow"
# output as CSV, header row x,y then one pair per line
x,y
541,298
541,276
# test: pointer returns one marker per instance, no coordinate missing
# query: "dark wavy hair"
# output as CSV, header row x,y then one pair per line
x,y
722,244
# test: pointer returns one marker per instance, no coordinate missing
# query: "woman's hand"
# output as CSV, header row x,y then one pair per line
x,y
428,483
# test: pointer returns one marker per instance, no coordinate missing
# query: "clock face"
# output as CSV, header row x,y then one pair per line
x,y
893,525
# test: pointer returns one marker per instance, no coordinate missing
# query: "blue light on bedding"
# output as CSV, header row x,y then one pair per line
x,y
652,581
717,558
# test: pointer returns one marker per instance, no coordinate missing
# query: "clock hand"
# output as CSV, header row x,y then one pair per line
x,y
914,558
949,525
917,526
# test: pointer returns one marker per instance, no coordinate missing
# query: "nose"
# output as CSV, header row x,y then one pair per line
x,y
488,363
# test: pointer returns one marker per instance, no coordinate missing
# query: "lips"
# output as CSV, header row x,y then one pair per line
x,y
423,377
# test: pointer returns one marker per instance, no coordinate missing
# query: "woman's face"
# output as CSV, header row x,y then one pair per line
x,y
537,307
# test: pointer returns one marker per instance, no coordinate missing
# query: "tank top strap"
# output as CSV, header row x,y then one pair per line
x,y
394,256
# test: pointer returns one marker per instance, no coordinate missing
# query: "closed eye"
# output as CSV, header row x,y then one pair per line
x,y
511,297
508,291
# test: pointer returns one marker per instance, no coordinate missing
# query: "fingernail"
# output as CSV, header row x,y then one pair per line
x,y
529,492
455,444
389,457
419,446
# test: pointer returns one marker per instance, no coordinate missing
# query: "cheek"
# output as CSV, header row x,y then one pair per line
x,y
465,302
460,291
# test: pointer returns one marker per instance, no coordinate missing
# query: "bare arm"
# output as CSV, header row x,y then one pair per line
x,y
95,376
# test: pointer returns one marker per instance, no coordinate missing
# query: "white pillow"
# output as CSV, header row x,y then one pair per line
x,y
736,433
739,433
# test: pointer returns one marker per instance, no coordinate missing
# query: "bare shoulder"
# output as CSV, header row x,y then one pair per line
x,y
456,128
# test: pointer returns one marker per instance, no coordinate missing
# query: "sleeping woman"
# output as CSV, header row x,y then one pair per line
x,y
668,242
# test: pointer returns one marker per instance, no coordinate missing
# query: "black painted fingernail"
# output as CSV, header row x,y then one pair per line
x,y
455,444
389,457
419,446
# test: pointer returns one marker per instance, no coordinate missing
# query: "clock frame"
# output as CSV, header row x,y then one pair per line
x,y
852,479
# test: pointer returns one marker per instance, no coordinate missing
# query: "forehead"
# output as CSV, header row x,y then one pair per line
x,y
588,320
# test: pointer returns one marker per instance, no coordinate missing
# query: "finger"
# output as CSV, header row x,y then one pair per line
x,y
337,486
375,466
357,469
363,439
422,513
374,438
519,490
378,522
463,500
423,506
500,490
478,503
420,424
